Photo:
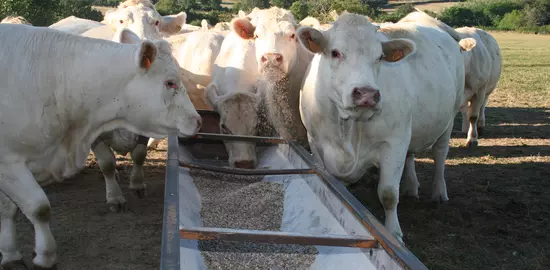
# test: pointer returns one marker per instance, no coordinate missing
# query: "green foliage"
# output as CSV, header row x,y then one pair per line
x,y
321,9
299,9
47,12
107,3
536,12
458,16
248,5
397,15
282,3
512,20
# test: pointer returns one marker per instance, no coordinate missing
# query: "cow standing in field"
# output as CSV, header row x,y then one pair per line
x,y
372,95
282,63
54,108
483,67
140,17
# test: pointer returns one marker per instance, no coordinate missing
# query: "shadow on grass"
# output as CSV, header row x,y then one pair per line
x,y
497,216
533,123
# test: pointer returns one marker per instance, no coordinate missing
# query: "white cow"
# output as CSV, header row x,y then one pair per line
x,y
282,63
54,107
15,20
373,95
140,16
483,67
234,94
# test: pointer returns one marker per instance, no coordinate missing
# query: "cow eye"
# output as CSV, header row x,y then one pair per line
x,y
292,36
157,23
335,54
171,84
121,21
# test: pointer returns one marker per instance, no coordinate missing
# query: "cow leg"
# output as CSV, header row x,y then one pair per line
x,y
439,152
18,183
391,170
137,177
411,184
107,164
465,121
8,237
481,120
473,115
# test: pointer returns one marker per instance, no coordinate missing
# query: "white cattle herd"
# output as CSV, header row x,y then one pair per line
x,y
357,93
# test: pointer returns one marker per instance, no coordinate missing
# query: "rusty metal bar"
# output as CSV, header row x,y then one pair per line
x,y
395,249
224,137
239,171
272,237
170,249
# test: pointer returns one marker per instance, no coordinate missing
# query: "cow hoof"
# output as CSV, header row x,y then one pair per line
x,y
480,131
471,144
140,193
440,199
118,207
15,265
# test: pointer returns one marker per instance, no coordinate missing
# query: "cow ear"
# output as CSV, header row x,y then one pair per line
x,y
146,54
312,39
397,49
172,24
467,44
243,27
126,36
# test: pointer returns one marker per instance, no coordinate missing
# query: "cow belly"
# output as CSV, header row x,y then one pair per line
x,y
121,141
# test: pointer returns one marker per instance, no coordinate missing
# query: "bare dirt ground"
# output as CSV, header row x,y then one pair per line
x,y
498,213
88,235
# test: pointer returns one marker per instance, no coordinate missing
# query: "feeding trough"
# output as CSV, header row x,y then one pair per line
x,y
288,213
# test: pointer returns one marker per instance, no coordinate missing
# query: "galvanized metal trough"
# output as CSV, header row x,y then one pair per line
x,y
348,236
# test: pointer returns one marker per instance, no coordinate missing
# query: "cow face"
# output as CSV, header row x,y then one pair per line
x,y
238,116
352,52
145,22
274,36
157,101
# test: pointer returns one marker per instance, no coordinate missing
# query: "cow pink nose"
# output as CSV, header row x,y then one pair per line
x,y
274,58
244,164
365,96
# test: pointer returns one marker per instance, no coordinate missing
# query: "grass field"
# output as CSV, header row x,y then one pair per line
x,y
498,214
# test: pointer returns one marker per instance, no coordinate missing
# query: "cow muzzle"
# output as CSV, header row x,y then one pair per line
x,y
365,97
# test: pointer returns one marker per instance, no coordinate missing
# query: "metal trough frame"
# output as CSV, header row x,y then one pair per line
x,y
171,234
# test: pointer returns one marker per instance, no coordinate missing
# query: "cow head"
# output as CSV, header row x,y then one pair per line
x,y
351,54
144,21
157,101
238,116
274,33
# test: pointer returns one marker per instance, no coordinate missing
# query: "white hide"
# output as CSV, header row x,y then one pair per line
x,y
15,20
278,51
418,72
54,107
196,53
483,69
234,94
75,25
483,65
